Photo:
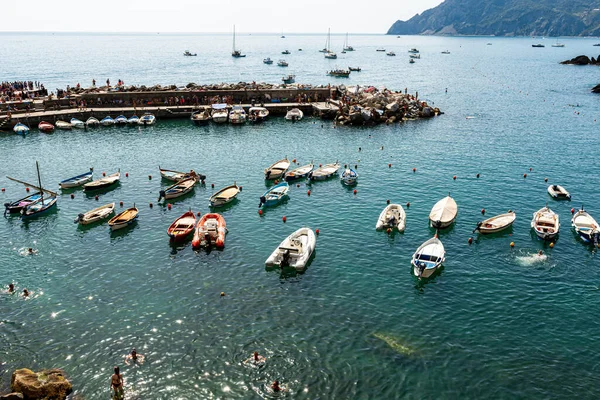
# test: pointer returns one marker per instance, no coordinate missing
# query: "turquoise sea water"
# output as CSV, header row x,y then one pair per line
x,y
357,324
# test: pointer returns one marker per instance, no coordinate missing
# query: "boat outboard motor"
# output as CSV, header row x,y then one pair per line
x,y
310,176
478,226
422,267
6,205
268,174
285,259
161,194
79,218
263,200
436,224
596,238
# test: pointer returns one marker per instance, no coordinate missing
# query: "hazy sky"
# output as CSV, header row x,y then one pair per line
x,y
355,16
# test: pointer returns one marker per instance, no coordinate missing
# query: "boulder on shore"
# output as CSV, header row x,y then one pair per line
x,y
581,60
47,384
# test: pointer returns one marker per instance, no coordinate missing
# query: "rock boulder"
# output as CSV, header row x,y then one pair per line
x,y
596,89
47,384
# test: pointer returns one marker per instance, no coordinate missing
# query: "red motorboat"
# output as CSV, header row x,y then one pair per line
x,y
46,127
211,229
182,226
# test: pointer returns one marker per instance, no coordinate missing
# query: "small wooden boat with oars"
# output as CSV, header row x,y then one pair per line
x,y
546,223
299,173
46,201
278,169
324,172
124,219
103,183
211,229
496,223
224,196
178,189
176,176
76,181
182,227
95,215
275,195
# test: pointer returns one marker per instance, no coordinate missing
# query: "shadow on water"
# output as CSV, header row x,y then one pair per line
x,y
421,282
98,192
488,236
179,245
123,232
166,202
224,207
291,272
441,231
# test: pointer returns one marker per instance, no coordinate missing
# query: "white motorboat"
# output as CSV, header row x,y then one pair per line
x,y
219,113
393,216
391,54
496,223
545,223
268,61
443,213
586,227
96,214
63,125
294,251
282,63
133,120
237,115
414,51
324,172
328,52
349,177
92,122
77,123
121,120
103,183
428,258
257,114
278,169
295,114
559,192
107,121
147,119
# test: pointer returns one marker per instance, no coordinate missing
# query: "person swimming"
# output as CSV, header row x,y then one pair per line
x,y
275,386
256,360
116,384
134,358
25,293
11,288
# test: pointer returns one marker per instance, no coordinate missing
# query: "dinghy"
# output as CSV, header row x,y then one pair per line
x,y
95,215
133,120
76,181
257,114
147,119
103,183
46,127
182,226
295,114
559,192
237,115
92,122
63,125
77,123
201,117
107,121
178,189
124,219
393,216
545,223
278,169
211,229
324,172
16,206
274,195
299,173
21,129
586,227
349,177
428,258
443,213
219,113
294,251
176,176
121,120
224,196
44,204
496,223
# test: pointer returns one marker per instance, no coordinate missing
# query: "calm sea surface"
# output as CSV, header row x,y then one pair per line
x,y
357,324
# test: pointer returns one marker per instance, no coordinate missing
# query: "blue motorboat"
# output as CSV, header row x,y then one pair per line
x,y
349,176
274,195
147,119
16,206
76,181
133,120
107,121
21,129
121,120
586,227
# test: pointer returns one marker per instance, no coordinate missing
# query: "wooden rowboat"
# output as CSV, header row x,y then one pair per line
x,y
176,176
182,226
178,189
103,183
96,214
211,229
123,219
76,181
324,172
299,173
277,170
496,223
46,127
443,213
545,223
224,196
586,227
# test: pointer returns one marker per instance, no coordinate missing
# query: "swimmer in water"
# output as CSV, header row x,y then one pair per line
x,y
256,359
30,250
275,386
25,293
11,288
134,358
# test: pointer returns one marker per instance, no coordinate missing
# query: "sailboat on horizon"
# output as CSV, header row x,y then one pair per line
x,y
328,53
347,46
236,53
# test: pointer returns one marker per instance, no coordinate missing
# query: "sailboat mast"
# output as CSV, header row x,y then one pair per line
x,y
37,166
234,38
328,39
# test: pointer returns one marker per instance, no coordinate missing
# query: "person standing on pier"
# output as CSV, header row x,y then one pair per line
x,y
108,82
93,83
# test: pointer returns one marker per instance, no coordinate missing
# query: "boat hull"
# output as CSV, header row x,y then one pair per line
x,y
37,208
297,248
76,181
16,206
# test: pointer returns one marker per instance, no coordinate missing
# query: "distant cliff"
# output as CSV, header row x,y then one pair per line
x,y
505,18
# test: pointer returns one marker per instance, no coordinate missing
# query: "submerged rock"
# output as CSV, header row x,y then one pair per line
x,y
581,60
47,384
394,344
